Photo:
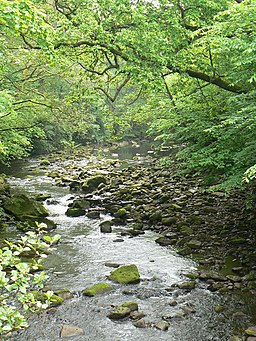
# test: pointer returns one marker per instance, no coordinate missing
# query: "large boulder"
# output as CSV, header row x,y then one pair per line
x,y
125,274
24,207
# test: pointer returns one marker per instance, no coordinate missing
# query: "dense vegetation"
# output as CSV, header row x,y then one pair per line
x,y
78,71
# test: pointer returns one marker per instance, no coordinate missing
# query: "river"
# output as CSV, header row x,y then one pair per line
x,y
82,259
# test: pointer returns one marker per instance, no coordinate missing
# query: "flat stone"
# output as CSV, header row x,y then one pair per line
x,y
187,285
70,330
96,289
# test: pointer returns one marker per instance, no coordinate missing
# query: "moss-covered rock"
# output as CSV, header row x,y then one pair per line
x,y
121,213
125,274
133,306
92,183
24,207
96,289
75,212
106,226
42,297
119,313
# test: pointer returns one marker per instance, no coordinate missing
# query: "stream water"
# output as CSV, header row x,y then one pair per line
x,y
80,261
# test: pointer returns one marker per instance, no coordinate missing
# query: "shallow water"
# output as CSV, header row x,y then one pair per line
x,y
79,261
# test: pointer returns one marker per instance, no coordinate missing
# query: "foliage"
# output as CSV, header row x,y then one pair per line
x,y
19,275
103,70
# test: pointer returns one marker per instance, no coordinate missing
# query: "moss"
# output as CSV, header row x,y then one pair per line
x,y
125,274
119,313
131,305
96,289
42,297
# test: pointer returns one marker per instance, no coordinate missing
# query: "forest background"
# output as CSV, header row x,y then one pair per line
x,y
83,71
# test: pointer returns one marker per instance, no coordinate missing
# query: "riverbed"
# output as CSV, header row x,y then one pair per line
x,y
83,258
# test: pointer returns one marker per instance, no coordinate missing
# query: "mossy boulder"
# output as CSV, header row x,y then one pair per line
x,y
96,289
133,306
75,212
92,183
121,213
42,297
4,186
24,207
119,313
125,274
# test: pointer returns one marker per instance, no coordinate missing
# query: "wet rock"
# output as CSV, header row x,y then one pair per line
x,y
140,324
24,207
93,214
136,315
218,308
251,338
70,331
162,325
65,294
194,244
168,221
42,297
125,274
42,196
45,162
133,306
75,212
112,265
106,226
173,303
163,241
81,203
92,183
186,230
97,289
212,275
251,331
119,313
121,213
187,285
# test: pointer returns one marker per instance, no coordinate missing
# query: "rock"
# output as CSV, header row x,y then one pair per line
x,y
162,325
24,207
106,226
251,331
96,289
168,221
250,338
173,303
42,297
42,196
186,230
112,265
65,294
70,330
218,308
81,203
92,183
119,313
135,315
194,244
187,285
45,163
236,338
93,214
238,241
121,213
125,274
140,324
4,186
75,212
133,306
163,241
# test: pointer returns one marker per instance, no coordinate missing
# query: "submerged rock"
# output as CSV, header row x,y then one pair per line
x,y
96,289
125,274
70,330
